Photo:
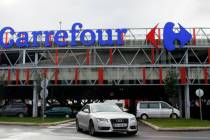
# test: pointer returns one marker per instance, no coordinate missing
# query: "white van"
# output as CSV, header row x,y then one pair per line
x,y
156,109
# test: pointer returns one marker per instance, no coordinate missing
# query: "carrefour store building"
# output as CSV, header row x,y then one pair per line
x,y
98,64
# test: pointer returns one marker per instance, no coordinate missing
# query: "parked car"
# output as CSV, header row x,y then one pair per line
x,y
102,117
59,111
15,109
156,109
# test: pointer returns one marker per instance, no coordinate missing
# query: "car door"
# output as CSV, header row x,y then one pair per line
x,y
60,111
142,108
165,110
51,111
154,109
3,110
64,111
8,110
82,117
86,117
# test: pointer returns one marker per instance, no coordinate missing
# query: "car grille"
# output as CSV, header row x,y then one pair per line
x,y
119,121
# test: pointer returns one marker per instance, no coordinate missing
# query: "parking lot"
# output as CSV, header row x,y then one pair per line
x,y
68,131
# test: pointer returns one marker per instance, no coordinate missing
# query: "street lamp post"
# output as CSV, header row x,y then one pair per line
x,y
60,23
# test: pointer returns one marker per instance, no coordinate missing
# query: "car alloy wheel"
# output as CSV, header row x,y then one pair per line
x,y
144,116
91,129
21,115
174,116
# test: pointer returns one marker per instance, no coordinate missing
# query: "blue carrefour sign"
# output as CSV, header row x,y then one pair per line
x,y
77,36
169,36
58,37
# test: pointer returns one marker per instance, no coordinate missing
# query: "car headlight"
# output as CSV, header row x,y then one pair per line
x,y
102,120
133,119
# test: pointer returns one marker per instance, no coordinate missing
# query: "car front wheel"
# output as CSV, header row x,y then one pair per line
x,y
174,116
20,115
91,129
67,116
144,116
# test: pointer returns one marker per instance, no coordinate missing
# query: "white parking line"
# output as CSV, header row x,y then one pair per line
x,y
65,125
21,136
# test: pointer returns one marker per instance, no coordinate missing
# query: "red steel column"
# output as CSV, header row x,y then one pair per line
x,y
76,75
144,75
183,75
17,76
206,75
100,75
27,74
56,57
110,56
56,75
88,56
194,37
159,36
161,75
153,55
126,101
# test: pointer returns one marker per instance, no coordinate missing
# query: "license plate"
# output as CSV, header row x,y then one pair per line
x,y
120,125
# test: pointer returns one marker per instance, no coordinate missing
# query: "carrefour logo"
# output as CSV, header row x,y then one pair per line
x,y
76,36
169,36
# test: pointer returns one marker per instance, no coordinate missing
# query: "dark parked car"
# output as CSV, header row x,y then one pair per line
x,y
15,109
59,111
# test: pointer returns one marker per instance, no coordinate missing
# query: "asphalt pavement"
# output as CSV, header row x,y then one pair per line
x,y
68,132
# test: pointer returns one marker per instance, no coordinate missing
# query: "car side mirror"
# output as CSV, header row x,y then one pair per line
x,y
86,111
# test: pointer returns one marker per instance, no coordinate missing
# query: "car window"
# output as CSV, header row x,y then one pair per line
x,y
154,105
17,105
86,107
55,108
164,105
66,109
120,105
105,108
143,105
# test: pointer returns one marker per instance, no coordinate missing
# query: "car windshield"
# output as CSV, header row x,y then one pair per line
x,y
105,108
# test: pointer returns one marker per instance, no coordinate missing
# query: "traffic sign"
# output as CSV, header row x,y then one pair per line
x,y
199,92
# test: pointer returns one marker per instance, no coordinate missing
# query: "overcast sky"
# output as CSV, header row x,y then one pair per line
x,y
46,14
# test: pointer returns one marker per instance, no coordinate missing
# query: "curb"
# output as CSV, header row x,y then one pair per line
x,y
175,128
36,124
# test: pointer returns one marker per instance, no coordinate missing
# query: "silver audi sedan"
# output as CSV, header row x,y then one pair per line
x,y
102,117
